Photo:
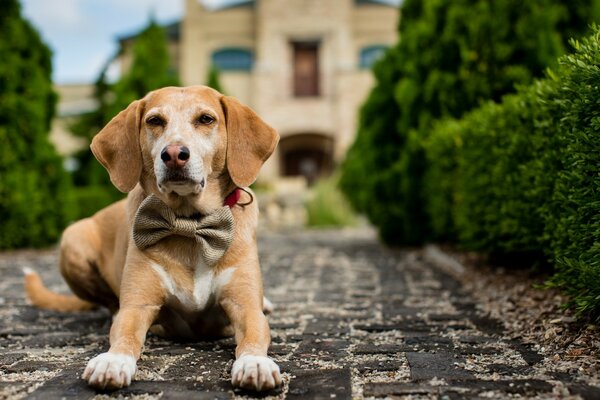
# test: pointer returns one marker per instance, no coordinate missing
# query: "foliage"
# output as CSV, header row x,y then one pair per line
x,y
378,116
213,79
440,180
501,181
92,198
327,207
573,213
35,192
453,56
150,69
522,176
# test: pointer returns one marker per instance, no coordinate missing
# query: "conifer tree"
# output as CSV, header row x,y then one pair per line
x,y
150,68
35,191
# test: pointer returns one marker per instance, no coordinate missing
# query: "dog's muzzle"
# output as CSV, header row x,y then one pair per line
x,y
176,176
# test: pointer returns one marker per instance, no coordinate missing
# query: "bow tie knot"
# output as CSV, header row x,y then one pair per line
x,y
154,221
184,227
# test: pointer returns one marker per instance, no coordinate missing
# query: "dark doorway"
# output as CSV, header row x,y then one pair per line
x,y
306,69
308,155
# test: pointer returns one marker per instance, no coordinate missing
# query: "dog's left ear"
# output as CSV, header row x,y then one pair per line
x,y
250,141
117,147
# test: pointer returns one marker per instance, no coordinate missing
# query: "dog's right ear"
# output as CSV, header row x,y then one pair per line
x,y
117,147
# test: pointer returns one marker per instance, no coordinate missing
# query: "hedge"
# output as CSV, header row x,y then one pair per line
x,y
573,212
523,176
453,56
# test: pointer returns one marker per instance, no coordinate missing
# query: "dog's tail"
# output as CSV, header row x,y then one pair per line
x,y
40,296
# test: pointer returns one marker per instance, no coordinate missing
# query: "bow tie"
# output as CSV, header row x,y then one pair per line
x,y
154,221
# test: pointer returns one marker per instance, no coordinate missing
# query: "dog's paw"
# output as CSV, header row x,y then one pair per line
x,y
255,373
110,371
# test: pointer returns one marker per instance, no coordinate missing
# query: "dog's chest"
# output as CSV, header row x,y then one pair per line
x,y
195,291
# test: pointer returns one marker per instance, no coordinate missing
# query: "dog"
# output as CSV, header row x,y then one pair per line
x,y
192,152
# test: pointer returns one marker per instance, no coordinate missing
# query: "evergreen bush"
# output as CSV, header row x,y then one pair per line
x,y
523,176
440,178
453,56
573,212
36,198
499,200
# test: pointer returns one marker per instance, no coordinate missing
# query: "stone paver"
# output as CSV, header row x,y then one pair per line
x,y
352,320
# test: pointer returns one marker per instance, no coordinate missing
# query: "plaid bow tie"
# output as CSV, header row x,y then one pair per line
x,y
154,221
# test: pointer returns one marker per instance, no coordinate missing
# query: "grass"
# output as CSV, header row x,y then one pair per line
x,y
327,207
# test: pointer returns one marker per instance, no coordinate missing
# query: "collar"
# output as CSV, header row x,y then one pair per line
x,y
233,198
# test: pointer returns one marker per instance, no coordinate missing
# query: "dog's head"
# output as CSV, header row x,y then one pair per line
x,y
186,145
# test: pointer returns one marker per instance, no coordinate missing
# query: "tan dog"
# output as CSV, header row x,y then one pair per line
x,y
191,148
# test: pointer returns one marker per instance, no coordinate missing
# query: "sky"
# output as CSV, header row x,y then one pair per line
x,y
83,33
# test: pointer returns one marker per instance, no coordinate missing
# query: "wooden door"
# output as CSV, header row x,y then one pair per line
x,y
306,69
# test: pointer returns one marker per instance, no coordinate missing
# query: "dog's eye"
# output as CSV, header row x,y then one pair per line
x,y
156,121
205,119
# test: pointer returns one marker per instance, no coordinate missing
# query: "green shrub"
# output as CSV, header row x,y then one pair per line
x,y
489,174
573,213
36,199
90,199
453,56
327,207
523,176
499,206
440,178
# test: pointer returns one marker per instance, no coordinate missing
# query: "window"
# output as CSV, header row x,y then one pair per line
x,y
306,69
232,59
371,54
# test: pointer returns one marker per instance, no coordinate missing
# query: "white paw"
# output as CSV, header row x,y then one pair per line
x,y
255,373
110,371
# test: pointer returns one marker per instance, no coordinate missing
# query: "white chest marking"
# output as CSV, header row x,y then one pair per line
x,y
206,285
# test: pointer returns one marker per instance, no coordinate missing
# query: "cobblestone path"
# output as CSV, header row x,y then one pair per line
x,y
352,320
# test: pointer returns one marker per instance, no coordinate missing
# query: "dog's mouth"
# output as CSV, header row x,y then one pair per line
x,y
177,177
181,184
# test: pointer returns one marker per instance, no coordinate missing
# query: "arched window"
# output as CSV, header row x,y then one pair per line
x,y
232,59
370,54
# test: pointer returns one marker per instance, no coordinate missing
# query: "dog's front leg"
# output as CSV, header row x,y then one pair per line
x,y
140,304
252,368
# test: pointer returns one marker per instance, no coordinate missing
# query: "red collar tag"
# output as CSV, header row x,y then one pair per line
x,y
233,198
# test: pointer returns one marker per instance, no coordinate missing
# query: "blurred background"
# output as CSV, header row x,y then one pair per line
x,y
464,122
303,66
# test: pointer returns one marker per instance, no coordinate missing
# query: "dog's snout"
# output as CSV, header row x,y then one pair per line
x,y
175,156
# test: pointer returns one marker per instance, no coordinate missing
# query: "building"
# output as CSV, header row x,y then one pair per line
x,y
302,65
75,100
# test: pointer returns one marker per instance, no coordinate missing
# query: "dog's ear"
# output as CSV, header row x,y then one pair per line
x,y
250,141
117,147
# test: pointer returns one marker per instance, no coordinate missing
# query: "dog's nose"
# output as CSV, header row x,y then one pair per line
x,y
175,156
